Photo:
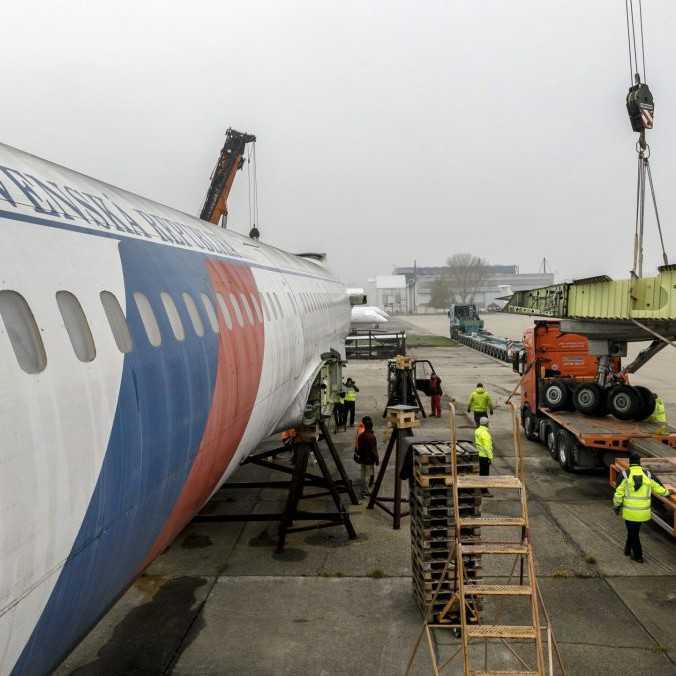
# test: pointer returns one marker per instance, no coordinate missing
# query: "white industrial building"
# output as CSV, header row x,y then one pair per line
x,y
502,280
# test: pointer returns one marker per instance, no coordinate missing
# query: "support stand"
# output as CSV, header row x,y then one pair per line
x,y
401,384
300,478
403,421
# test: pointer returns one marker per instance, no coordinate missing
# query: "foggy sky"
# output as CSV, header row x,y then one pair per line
x,y
387,131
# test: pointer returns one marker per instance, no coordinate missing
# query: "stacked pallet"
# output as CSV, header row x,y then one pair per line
x,y
433,520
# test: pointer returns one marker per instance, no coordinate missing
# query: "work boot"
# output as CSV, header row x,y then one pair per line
x,y
637,559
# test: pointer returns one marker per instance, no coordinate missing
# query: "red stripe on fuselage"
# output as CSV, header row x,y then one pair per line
x,y
240,362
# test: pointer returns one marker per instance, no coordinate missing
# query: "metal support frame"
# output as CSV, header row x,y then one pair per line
x,y
394,443
299,480
405,379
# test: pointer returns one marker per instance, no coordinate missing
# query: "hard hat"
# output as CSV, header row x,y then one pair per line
x,y
483,421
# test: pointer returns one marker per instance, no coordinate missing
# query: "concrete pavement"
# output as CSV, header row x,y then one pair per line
x,y
220,601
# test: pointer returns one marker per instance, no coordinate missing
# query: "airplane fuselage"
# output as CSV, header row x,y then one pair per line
x,y
143,354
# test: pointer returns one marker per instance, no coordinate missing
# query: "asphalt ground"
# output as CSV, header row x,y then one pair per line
x,y
221,601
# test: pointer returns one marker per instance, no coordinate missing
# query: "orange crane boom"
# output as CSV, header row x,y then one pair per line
x,y
229,162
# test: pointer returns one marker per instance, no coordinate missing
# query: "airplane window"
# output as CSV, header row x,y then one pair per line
x,y
293,303
279,305
173,316
76,325
247,308
266,309
145,309
211,312
238,312
194,314
117,321
273,309
23,332
257,306
224,311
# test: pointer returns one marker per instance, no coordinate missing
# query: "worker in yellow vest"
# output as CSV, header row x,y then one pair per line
x,y
351,390
659,415
633,497
479,403
483,441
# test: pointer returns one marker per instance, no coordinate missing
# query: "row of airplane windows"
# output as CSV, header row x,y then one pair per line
x,y
29,349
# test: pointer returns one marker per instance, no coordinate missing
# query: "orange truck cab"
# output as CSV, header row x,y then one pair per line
x,y
569,386
558,363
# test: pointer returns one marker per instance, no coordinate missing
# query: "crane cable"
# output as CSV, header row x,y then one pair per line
x,y
643,148
252,181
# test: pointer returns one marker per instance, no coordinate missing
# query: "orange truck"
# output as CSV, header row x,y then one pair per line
x,y
576,399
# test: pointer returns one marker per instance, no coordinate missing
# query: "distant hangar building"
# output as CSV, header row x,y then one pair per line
x,y
502,280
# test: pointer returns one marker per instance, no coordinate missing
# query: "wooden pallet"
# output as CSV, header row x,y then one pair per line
x,y
402,417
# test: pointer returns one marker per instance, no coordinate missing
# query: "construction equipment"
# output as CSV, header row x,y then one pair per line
x,y
404,380
568,385
641,110
459,574
498,347
230,161
464,319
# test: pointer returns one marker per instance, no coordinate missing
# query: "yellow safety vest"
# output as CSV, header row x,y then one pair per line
x,y
636,503
479,401
350,394
484,442
659,414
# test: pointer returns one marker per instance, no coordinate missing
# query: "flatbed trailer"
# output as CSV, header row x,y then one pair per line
x,y
664,470
578,441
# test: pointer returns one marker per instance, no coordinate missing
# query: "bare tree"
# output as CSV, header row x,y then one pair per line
x,y
466,274
440,293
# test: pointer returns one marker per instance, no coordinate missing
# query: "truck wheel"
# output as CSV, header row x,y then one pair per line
x,y
553,440
566,449
530,426
647,402
624,402
556,395
588,398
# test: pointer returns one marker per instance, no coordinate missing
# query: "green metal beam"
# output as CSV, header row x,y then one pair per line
x,y
601,298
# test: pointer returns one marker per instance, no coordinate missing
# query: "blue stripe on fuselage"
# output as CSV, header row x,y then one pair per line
x,y
164,400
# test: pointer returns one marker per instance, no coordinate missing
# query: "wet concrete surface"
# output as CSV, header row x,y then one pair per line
x,y
221,601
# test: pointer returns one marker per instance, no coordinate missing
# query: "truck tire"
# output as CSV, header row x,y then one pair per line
x,y
624,402
530,426
647,402
556,395
588,398
566,451
552,440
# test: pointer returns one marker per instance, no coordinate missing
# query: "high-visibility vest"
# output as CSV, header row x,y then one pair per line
x,y
479,400
636,503
350,394
288,435
484,442
659,414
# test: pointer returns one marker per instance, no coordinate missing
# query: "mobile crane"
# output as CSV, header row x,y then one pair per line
x,y
230,161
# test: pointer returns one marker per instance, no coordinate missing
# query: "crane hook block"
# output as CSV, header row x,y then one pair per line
x,y
640,106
